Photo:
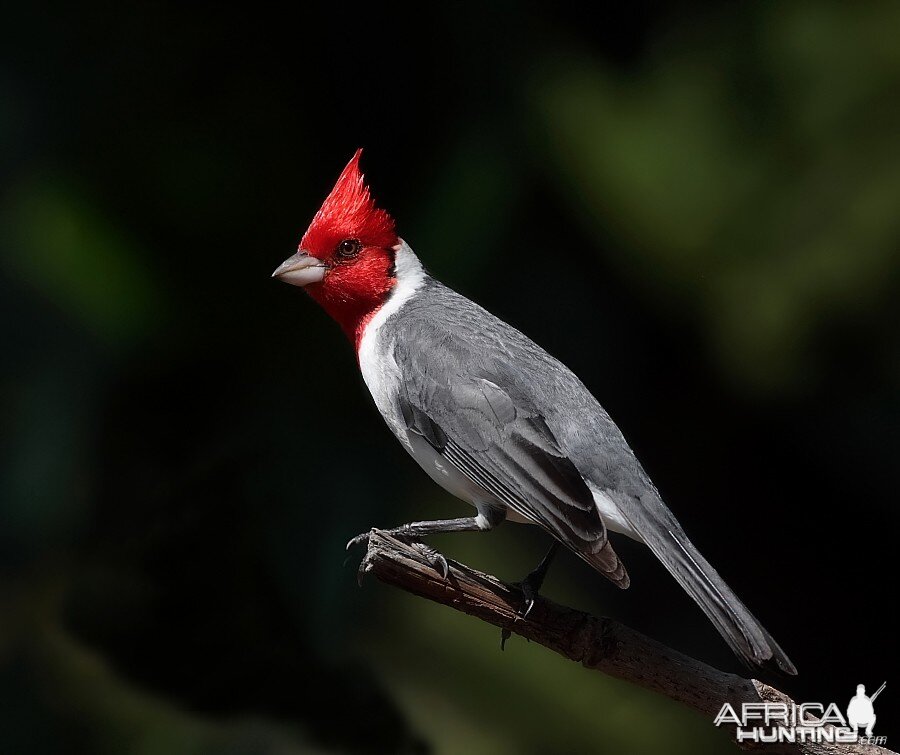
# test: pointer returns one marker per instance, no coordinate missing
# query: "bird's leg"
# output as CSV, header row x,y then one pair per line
x,y
415,530
531,585
412,532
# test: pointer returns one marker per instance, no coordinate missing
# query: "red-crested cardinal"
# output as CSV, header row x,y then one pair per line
x,y
491,416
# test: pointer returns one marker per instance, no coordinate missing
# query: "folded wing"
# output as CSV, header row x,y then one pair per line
x,y
509,451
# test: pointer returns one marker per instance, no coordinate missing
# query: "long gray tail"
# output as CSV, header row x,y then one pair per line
x,y
741,630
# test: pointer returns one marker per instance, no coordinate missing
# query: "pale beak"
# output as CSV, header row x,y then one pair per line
x,y
300,270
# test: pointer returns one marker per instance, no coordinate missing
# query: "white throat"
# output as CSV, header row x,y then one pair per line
x,y
376,358
410,277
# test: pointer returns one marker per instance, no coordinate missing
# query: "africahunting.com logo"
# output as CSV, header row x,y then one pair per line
x,y
804,722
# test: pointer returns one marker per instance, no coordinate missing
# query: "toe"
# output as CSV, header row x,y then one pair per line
x,y
442,566
361,539
434,558
365,566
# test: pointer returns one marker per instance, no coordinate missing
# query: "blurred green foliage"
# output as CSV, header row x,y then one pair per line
x,y
753,169
695,207
78,260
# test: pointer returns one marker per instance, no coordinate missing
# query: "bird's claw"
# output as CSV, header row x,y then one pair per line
x,y
528,600
529,596
435,558
360,539
529,604
365,566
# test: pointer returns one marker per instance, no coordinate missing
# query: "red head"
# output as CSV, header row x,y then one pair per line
x,y
346,257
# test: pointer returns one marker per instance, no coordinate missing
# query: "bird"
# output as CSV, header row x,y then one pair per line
x,y
493,418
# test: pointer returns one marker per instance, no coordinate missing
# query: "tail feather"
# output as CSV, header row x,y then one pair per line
x,y
741,630
652,522
607,562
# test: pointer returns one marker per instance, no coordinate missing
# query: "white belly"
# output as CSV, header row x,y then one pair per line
x,y
445,473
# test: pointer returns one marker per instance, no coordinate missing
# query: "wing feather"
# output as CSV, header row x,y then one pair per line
x,y
512,454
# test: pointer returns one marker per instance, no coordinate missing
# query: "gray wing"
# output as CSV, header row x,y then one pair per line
x,y
506,448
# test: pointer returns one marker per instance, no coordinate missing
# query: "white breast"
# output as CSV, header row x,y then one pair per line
x,y
376,358
382,377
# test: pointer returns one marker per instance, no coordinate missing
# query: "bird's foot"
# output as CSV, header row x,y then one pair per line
x,y
531,585
433,557
365,565
530,588
530,592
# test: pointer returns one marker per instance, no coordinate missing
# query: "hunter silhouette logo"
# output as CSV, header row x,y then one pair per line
x,y
766,722
860,713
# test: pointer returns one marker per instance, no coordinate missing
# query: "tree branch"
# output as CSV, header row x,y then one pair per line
x,y
598,643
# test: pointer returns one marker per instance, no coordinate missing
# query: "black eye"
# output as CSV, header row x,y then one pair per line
x,y
348,248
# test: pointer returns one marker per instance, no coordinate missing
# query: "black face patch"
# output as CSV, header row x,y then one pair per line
x,y
392,270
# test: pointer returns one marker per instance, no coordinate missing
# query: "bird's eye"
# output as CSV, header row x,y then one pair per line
x,y
348,248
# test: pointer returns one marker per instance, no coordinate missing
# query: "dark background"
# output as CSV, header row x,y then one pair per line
x,y
695,206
